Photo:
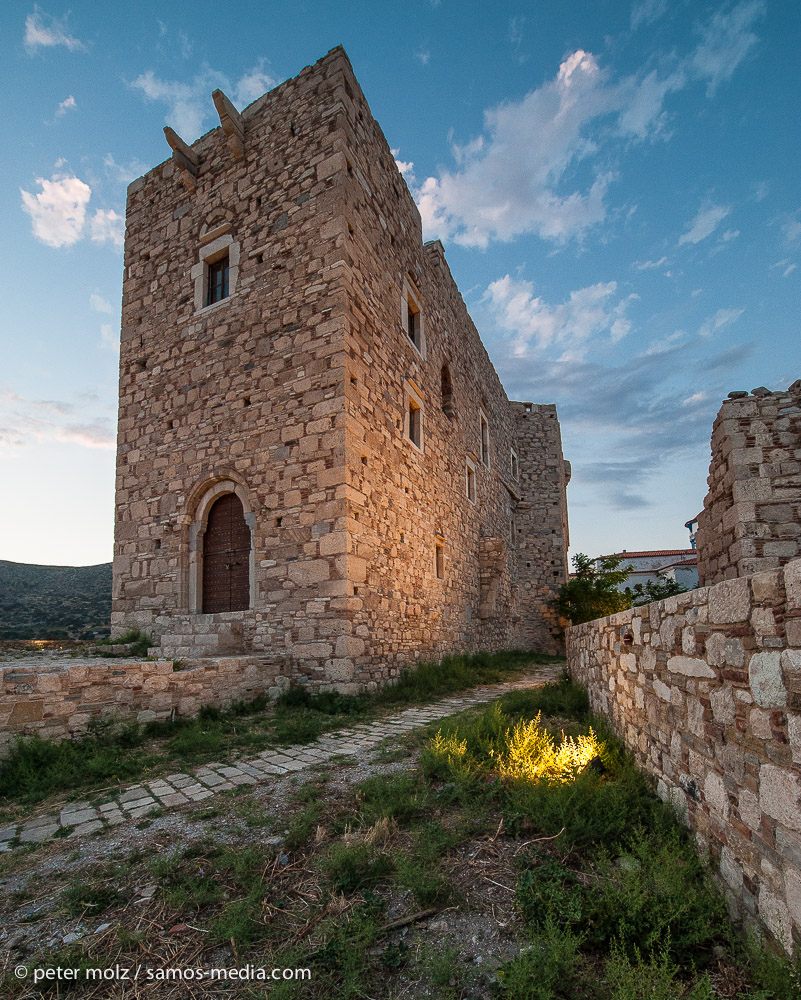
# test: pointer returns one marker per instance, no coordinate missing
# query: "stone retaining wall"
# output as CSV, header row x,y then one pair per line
x,y
705,689
60,703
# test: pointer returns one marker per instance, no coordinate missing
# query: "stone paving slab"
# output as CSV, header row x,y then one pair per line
x,y
79,819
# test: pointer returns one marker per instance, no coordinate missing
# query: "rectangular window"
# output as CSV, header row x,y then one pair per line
x,y
485,460
439,561
217,288
513,464
415,418
412,315
470,474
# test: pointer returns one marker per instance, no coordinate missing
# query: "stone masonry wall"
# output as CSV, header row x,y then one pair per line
x,y
404,501
293,392
752,513
61,703
705,689
249,391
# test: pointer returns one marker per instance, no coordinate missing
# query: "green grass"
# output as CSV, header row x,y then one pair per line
x,y
428,681
616,906
618,880
113,752
139,641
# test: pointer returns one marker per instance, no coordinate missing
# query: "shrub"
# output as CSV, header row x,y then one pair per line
x,y
547,969
657,890
355,867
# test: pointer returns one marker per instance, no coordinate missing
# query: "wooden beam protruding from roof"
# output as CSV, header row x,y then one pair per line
x,y
232,124
185,158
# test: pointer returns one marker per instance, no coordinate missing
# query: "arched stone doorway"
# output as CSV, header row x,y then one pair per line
x,y
221,569
226,557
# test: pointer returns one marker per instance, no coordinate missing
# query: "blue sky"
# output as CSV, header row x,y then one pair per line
x,y
616,185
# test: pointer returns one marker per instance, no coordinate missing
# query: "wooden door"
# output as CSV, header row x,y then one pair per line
x,y
226,557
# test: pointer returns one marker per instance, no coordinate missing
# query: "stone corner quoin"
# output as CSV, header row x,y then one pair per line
x,y
317,463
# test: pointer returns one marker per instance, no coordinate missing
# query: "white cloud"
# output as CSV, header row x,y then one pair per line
x,y
787,266
647,11
506,184
665,344
109,337
406,168
705,223
99,304
423,56
723,317
587,313
253,84
124,172
516,25
791,230
646,265
27,422
107,226
44,31
730,234
726,41
189,105
520,174
58,211
66,105
695,399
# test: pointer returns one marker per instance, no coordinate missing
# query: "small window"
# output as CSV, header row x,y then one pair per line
x,y
216,273
413,321
415,422
485,459
217,287
446,387
513,464
439,560
470,481
412,315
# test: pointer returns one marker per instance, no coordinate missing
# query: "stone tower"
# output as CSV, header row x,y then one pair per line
x,y
751,521
318,466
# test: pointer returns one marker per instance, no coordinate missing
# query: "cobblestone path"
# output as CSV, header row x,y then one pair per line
x,y
78,819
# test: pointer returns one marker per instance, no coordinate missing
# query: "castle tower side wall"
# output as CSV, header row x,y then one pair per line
x,y
406,501
247,394
752,513
541,525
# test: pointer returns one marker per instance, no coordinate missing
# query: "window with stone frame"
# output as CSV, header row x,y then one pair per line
x,y
412,314
216,272
413,417
439,557
513,465
470,480
484,442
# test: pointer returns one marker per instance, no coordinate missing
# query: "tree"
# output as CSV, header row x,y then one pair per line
x,y
593,590
654,590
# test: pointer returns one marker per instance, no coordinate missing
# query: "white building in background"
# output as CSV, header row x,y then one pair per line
x,y
679,565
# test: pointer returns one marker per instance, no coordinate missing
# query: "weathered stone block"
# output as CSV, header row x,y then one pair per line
x,y
690,666
729,602
722,702
26,711
765,680
780,795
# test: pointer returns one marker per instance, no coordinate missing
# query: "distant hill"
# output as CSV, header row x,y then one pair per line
x,y
54,602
